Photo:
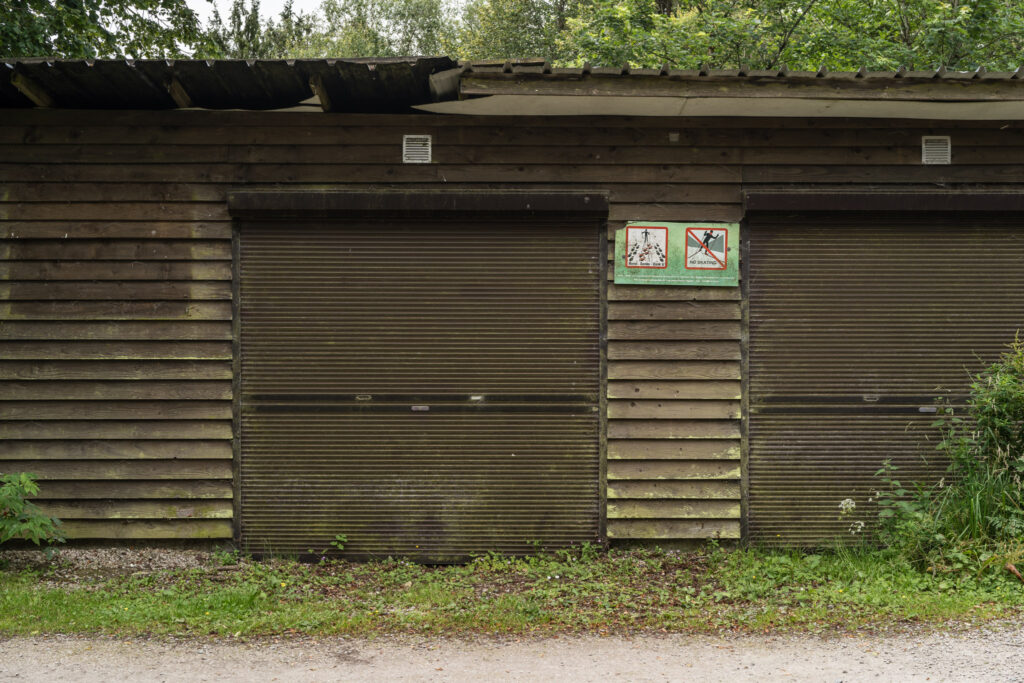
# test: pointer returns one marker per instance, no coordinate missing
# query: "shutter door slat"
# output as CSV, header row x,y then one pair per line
x,y
856,324
427,389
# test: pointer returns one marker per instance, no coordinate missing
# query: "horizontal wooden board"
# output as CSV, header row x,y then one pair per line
x,y
644,293
690,310
107,229
115,250
672,469
115,331
672,350
194,529
115,410
134,509
663,211
680,389
673,429
325,173
670,410
70,470
114,350
115,310
114,370
125,429
102,390
621,529
696,369
673,509
115,450
183,489
674,449
97,211
116,270
117,291
630,131
675,330
675,488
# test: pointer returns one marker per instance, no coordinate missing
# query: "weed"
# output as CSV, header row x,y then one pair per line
x,y
22,519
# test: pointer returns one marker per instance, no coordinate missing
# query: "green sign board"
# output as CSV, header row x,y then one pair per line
x,y
678,254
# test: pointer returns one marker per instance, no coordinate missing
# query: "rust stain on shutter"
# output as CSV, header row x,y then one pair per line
x,y
427,389
856,326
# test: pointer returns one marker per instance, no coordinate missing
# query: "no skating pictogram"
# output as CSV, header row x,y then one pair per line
x,y
706,248
646,247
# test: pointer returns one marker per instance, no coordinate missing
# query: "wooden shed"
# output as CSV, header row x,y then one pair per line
x,y
280,301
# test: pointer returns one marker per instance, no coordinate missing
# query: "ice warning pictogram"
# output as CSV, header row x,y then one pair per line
x,y
646,247
706,248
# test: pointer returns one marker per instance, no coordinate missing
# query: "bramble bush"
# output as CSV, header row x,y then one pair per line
x,y
22,519
974,517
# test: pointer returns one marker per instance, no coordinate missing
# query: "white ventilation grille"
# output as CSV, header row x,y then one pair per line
x,y
936,149
416,149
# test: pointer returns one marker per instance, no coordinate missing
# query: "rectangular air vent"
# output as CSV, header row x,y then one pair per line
x,y
935,149
416,149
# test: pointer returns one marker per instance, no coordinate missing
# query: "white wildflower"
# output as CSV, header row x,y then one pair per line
x,y
856,527
847,505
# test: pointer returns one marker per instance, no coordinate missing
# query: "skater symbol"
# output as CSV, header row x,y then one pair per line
x,y
706,248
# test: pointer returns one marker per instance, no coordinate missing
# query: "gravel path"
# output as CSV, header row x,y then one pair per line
x,y
978,655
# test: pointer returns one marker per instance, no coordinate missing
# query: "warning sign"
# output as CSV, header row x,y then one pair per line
x,y
707,248
647,247
677,254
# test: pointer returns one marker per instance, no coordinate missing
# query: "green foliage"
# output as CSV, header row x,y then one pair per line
x,y
20,518
974,517
502,29
246,36
98,28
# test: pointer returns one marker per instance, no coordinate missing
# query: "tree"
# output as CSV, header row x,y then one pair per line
x,y
247,36
77,29
503,29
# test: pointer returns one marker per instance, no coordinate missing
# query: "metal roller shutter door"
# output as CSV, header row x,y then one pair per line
x,y
856,324
429,389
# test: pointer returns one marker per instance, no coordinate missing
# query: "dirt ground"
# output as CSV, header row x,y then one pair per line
x,y
991,654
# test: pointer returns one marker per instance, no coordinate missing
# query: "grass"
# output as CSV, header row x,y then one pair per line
x,y
579,592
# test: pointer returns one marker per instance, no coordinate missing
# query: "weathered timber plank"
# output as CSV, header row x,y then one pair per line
x,y
145,529
665,369
674,212
121,469
622,529
115,450
644,293
689,310
110,350
675,330
673,429
694,389
115,410
117,291
115,270
667,488
673,509
91,211
114,370
106,229
133,429
753,134
115,310
672,469
673,350
140,490
669,410
695,193
804,173
115,390
164,509
688,449
368,173
115,250
113,192
115,331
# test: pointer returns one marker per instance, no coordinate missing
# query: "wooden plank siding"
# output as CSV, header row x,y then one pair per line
x,y
115,285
